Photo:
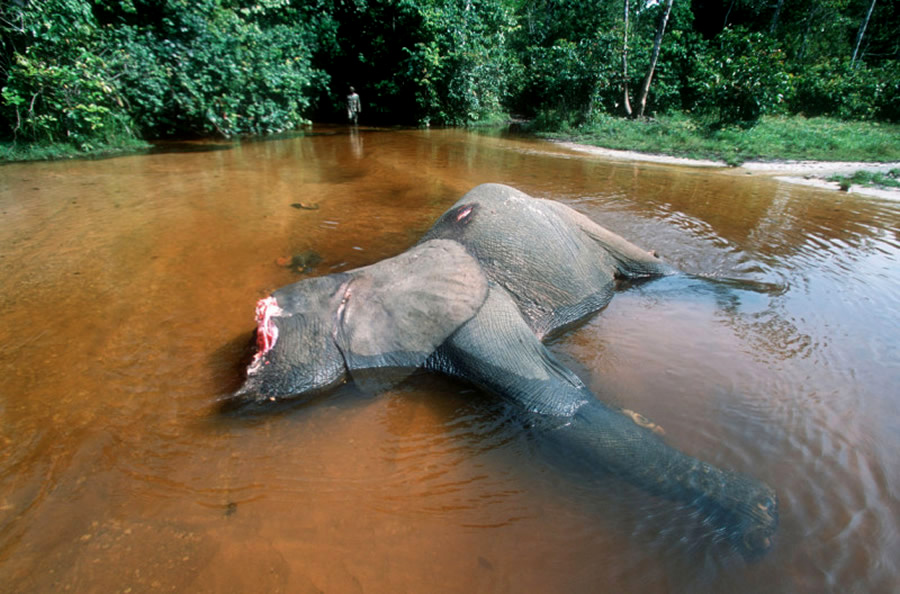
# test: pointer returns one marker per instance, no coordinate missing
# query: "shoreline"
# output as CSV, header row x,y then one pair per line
x,y
806,173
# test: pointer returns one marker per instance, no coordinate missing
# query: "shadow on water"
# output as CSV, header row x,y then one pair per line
x,y
167,147
680,529
170,147
234,412
681,286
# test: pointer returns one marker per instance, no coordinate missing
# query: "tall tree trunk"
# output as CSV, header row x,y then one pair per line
x,y
657,43
727,14
862,31
774,23
625,63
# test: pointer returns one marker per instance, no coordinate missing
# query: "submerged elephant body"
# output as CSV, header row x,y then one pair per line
x,y
496,273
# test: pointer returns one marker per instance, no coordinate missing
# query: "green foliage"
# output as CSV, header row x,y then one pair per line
x,y
424,61
94,73
463,65
58,87
852,91
740,78
674,87
543,22
200,68
570,77
887,91
44,151
827,139
891,179
674,134
774,137
143,77
209,70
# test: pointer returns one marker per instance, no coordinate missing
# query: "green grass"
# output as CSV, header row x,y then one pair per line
x,y
772,138
13,151
891,179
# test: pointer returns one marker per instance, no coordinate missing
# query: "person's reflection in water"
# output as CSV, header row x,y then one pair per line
x,y
356,143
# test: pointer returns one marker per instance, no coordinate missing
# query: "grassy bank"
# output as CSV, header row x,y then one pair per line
x,y
773,138
891,179
17,151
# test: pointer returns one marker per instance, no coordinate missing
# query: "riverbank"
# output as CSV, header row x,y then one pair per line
x,y
795,149
15,152
802,172
790,149
772,138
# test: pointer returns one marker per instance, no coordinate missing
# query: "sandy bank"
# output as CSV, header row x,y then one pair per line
x,y
808,173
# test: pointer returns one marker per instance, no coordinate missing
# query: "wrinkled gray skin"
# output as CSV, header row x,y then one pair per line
x,y
473,299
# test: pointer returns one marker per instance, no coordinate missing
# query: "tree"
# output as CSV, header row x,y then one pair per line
x,y
657,42
740,78
627,100
774,24
862,31
461,63
55,79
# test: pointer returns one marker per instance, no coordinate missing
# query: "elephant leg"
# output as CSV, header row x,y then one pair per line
x,y
498,352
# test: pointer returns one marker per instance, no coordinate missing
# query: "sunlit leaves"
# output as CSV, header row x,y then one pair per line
x,y
200,67
84,71
741,77
58,87
462,66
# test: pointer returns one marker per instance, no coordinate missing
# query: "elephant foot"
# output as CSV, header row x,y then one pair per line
x,y
642,421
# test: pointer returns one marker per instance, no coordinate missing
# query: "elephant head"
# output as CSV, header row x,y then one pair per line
x,y
391,315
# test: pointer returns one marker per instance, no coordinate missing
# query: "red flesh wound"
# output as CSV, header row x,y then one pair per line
x,y
466,211
266,331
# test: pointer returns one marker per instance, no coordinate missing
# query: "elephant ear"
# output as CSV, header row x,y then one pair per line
x,y
394,314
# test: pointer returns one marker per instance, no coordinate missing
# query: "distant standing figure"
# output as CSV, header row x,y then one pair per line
x,y
353,106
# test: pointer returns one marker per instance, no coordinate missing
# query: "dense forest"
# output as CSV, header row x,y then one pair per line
x,y
87,72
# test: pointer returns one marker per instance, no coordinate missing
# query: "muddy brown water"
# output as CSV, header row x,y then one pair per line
x,y
126,303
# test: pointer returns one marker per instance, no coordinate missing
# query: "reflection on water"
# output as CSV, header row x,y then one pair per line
x,y
126,309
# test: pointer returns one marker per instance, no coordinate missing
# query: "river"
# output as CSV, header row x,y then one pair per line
x,y
126,306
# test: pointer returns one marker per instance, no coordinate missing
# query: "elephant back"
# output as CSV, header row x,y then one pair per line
x,y
556,273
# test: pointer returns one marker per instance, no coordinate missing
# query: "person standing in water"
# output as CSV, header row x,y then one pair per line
x,y
353,106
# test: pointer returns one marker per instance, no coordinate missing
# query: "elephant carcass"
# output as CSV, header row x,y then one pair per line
x,y
497,273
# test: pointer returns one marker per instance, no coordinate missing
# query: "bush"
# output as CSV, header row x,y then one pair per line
x,y
461,67
742,77
202,68
887,91
841,89
207,70
834,88
572,78
58,88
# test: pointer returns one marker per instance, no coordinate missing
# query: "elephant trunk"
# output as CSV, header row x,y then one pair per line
x,y
745,508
